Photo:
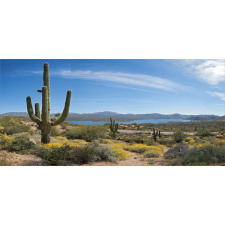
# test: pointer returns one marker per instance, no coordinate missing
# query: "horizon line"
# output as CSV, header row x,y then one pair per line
x,y
130,113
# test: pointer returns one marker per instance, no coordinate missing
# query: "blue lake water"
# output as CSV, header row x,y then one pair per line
x,y
155,121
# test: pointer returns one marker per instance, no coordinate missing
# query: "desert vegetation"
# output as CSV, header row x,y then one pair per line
x,y
20,144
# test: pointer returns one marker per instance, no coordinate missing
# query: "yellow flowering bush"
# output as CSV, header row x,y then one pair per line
x,y
202,145
50,145
61,137
2,128
78,143
119,152
5,141
188,139
140,148
107,141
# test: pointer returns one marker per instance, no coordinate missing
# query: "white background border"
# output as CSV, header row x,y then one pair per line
x,y
112,29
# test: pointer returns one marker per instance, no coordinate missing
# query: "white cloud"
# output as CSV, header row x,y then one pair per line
x,y
129,79
221,95
211,71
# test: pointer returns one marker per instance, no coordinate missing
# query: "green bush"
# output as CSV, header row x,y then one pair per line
x,y
178,136
203,133
19,128
11,126
20,144
151,155
55,132
166,141
92,152
179,151
88,133
6,121
207,154
56,156
199,156
149,141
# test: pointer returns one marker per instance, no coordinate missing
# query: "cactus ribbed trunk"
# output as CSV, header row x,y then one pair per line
x,y
46,125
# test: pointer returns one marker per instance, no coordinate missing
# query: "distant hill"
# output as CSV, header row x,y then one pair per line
x,y
104,116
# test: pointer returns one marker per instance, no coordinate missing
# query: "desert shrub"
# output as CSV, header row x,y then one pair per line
x,y
88,133
178,136
206,154
166,141
203,133
18,128
93,152
55,132
67,154
179,151
11,126
6,121
20,144
5,140
151,155
3,160
55,156
149,141
202,154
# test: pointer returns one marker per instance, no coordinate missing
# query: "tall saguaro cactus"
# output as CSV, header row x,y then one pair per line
x,y
113,127
43,119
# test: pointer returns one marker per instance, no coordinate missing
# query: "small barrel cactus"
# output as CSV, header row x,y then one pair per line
x,y
43,120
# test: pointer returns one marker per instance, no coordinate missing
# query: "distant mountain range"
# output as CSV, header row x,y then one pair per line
x,y
104,116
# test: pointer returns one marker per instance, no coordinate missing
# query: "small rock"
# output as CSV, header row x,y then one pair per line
x,y
32,140
135,157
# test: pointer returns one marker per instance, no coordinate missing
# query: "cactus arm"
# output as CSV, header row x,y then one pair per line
x,y
37,110
31,111
65,111
55,117
44,105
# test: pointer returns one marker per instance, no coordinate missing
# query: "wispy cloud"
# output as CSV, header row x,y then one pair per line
x,y
211,71
221,95
132,80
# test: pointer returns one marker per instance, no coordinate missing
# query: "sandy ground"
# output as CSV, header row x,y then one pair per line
x,y
135,159
14,159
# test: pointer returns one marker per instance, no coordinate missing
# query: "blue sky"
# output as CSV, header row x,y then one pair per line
x,y
123,86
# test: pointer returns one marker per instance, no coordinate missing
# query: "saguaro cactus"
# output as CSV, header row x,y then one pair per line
x,y
43,120
113,127
156,133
